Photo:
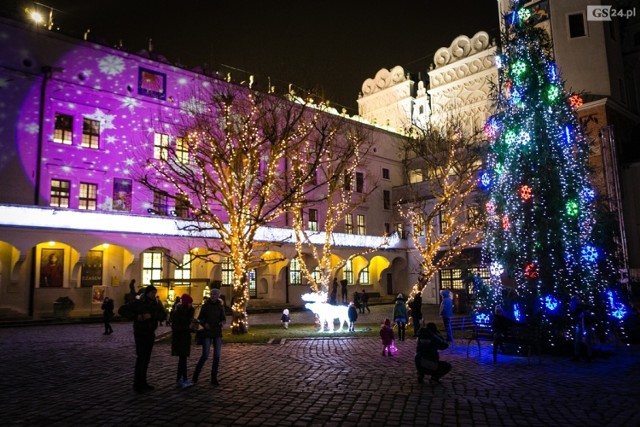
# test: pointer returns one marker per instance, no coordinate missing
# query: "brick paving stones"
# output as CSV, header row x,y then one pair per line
x,y
72,375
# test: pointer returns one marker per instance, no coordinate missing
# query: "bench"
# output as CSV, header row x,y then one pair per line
x,y
525,338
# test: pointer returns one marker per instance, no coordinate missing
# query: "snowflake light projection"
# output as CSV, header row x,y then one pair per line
x,y
326,313
551,302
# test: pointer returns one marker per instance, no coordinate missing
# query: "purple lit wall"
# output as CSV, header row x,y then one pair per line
x,y
131,97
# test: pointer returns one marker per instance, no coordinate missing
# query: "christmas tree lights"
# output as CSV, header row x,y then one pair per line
x,y
540,241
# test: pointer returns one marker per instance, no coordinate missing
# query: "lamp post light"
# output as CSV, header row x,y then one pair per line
x,y
39,18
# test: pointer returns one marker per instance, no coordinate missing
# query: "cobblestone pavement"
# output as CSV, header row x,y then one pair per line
x,y
72,375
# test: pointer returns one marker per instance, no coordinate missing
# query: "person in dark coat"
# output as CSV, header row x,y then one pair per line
x,y
212,318
181,327
107,315
416,313
356,300
500,326
400,316
364,299
428,343
145,313
353,316
343,289
387,336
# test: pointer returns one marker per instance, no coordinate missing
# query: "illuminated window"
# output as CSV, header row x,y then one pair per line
x,y
88,197
400,230
451,278
151,267
295,276
347,271
315,274
415,176
348,224
227,271
253,290
418,226
364,276
361,227
442,219
183,271
63,130
182,205
160,203
59,193
90,133
359,182
182,150
313,219
160,146
385,173
386,199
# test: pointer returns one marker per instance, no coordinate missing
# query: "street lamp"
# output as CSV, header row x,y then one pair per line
x,y
39,18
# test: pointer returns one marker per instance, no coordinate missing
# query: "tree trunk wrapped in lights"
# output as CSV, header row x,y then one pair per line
x,y
542,240
229,170
441,203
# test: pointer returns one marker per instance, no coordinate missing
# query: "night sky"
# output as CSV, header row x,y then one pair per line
x,y
331,47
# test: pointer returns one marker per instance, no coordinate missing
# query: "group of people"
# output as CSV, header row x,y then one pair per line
x,y
429,341
146,313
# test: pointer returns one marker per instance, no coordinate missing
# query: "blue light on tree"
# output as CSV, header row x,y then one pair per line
x,y
483,319
517,313
485,180
589,253
551,302
496,269
618,310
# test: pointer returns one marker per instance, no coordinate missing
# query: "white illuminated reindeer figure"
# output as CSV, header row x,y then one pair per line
x,y
317,303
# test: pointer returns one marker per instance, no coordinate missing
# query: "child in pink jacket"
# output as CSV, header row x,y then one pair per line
x,y
386,334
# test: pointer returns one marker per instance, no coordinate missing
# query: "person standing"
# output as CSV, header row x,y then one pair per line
x,y
427,359
386,335
181,324
145,313
416,313
446,312
285,319
356,301
365,301
400,316
343,288
212,318
582,316
353,316
107,315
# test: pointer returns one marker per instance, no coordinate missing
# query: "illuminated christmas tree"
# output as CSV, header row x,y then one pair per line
x,y
541,241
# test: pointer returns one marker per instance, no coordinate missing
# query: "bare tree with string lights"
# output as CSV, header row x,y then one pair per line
x,y
441,203
230,172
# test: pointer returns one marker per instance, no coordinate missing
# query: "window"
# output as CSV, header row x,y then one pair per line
x,y
160,146
182,206
415,176
59,193
63,130
473,213
182,150
315,274
348,224
451,278
387,228
385,173
253,290
295,277
400,230
151,267
347,182
347,271
418,226
359,182
227,272
577,27
88,197
361,227
364,276
313,219
183,271
90,133
386,199
442,219
159,203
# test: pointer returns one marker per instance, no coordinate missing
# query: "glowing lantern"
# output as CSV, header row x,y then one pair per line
x,y
525,192
576,101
